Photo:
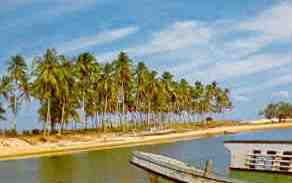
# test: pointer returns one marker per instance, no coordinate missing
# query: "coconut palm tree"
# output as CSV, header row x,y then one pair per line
x,y
5,87
65,87
84,70
223,100
18,76
106,88
124,81
93,98
2,113
198,97
67,100
141,79
167,94
47,83
152,94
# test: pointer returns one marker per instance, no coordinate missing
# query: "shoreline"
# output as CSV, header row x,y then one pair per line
x,y
128,141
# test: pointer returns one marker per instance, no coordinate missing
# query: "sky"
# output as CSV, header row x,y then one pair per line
x,y
244,45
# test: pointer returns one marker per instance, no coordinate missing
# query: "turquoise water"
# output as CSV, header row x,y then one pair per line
x,y
111,166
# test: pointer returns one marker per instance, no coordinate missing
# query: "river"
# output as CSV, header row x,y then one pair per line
x,y
111,166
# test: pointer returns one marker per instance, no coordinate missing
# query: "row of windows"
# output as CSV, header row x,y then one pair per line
x,y
267,163
270,152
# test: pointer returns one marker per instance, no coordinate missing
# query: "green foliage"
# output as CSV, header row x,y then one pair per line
x,y
2,113
281,111
81,90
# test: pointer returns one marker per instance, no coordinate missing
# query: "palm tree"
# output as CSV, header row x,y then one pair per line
x,y
5,87
223,100
2,112
106,88
141,79
167,94
198,97
2,115
65,87
152,93
123,75
67,100
47,83
184,97
18,76
209,103
93,98
84,69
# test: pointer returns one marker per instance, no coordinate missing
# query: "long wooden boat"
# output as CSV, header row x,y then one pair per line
x,y
176,170
269,156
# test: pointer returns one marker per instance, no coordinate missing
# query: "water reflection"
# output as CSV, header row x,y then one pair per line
x,y
261,177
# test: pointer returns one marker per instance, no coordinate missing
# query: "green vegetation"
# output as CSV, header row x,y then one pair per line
x,y
121,95
281,111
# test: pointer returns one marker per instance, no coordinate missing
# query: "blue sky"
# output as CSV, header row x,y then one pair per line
x,y
244,45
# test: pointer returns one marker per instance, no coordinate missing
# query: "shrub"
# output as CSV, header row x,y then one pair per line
x,y
209,119
36,131
26,132
11,133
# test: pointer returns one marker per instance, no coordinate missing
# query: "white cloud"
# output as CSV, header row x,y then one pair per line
x,y
183,41
98,39
252,65
177,36
281,94
194,44
278,81
274,22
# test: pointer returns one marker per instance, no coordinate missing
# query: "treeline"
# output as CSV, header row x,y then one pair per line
x,y
105,95
281,111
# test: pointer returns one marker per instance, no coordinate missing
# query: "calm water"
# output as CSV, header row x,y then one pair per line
x,y
112,166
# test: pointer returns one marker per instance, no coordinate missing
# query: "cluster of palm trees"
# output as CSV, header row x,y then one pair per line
x,y
281,111
120,94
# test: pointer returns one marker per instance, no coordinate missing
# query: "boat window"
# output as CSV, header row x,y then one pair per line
x,y
271,152
286,158
256,151
251,166
284,163
287,153
284,168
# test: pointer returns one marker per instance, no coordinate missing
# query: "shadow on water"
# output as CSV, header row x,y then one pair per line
x,y
112,166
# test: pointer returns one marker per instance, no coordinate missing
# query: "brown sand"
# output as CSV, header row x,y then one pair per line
x,y
25,150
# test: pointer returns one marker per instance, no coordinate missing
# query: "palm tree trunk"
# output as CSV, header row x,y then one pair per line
x,y
14,113
148,114
104,113
48,117
83,111
62,120
123,105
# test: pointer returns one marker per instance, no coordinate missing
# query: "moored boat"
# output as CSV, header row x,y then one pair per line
x,y
177,170
269,156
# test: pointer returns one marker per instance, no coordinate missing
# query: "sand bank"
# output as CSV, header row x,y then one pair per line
x,y
99,143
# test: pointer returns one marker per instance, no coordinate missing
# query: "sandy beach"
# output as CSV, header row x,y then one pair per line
x,y
23,150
